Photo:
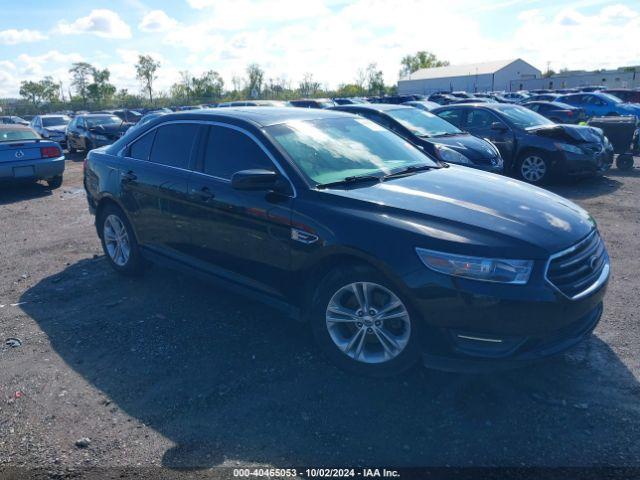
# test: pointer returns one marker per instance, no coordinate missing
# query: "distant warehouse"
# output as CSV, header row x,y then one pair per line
x,y
476,77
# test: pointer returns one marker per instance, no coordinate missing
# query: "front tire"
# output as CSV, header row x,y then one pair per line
x,y
534,168
624,161
119,242
362,323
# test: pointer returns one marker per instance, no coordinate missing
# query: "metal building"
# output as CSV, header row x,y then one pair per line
x,y
476,77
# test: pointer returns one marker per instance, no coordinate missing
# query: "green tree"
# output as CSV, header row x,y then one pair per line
x,y
422,59
375,80
80,73
308,87
101,91
208,86
255,77
31,91
146,69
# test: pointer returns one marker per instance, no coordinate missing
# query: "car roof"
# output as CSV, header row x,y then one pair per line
x,y
53,115
491,106
261,117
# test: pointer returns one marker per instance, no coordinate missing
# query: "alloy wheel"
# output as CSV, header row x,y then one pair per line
x,y
533,168
368,322
116,240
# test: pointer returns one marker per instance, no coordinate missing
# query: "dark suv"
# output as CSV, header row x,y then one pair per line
x,y
339,222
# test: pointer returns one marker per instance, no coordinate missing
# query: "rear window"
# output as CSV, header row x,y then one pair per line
x,y
54,121
9,135
141,148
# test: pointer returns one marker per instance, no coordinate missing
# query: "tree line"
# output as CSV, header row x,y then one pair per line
x,y
91,87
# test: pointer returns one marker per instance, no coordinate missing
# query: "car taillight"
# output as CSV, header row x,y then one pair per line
x,y
569,113
50,152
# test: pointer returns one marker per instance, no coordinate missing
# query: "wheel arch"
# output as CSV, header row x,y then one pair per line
x,y
105,201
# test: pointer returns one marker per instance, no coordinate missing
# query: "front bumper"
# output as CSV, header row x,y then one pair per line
x,y
480,326
586,164
32,169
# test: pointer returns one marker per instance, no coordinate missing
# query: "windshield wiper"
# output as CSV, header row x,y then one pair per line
x,y
350,180
411,169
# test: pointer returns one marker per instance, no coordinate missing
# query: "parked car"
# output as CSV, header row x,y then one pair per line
x,y
557,112
462,95
437,138
126,115
624,94
312,103
86,132
299,208
25,156
52,127
592,88
349,101
543,97
425,105
146,118
12,120
515,97
532,146
253,103
475,100
442,98
600,104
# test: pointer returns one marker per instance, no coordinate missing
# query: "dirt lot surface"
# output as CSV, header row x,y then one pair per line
x,y
169,371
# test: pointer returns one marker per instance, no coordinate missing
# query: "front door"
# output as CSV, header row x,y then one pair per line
x,y
242,235
485,124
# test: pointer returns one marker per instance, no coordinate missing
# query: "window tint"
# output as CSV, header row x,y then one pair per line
x,y
452,116
480,119
228,151
141,148
173,144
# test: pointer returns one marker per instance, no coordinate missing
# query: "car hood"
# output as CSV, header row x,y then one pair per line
x,y
56,128
110,128
471,147
570,133
457,207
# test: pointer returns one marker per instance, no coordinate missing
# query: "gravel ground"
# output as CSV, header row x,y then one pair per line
x,y
170,371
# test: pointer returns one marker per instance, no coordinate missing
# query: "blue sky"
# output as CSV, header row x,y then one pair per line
x,y
332,39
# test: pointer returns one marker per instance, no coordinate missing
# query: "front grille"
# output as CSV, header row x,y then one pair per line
x,y
577,269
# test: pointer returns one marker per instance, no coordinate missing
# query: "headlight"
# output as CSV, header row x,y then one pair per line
x,y
99,137
498,270
447,154
566,147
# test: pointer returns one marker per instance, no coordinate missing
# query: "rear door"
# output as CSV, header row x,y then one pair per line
x,y
242,235
154,185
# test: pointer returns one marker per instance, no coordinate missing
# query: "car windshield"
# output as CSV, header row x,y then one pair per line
x,y
55,121
9,135
524,118
330,150
103,120
421,123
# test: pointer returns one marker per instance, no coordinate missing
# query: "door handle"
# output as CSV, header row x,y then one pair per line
x,y
203,194
129,177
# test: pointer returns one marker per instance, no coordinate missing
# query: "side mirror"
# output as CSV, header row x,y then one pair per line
x,y
255,180
499,127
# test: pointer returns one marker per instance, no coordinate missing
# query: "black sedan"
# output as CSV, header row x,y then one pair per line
x,y
86,132
434,136
388,256
532,146
558,112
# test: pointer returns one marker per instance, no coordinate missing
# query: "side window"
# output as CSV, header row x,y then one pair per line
x,y
229,151
141,148
480,119
536,107
452,116
173,144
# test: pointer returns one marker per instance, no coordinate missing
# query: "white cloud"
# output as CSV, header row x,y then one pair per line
x,y
157,21
101,22
13,36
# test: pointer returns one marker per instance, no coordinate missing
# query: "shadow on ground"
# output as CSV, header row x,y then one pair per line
x,y
17,192
227,379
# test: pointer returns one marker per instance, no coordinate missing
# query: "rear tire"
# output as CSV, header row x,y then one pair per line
x,y
55,182
119,242
373,332
624,161
534,168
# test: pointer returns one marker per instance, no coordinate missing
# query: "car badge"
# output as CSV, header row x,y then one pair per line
x,y
593,261
19,154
